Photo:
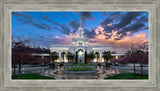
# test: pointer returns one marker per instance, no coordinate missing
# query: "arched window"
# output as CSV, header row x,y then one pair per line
x,y
80,44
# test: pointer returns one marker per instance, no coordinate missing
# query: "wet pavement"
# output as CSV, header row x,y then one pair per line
x,y
57,72
101,74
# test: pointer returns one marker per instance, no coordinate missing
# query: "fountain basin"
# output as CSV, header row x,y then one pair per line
x,y
80,72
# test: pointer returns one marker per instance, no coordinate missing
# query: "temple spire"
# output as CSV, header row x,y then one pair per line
x,y
80,30
80,21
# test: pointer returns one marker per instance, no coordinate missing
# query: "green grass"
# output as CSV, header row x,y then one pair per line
x,y
32,76
80,69
128,76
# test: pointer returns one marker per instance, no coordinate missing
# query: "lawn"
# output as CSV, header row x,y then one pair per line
x,y
128,76
32,76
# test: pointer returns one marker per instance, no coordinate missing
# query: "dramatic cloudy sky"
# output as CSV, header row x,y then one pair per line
x,y
117,29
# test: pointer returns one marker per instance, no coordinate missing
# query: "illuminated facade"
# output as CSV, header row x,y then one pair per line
x,y
80,45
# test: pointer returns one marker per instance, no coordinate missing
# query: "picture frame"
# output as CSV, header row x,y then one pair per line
x,y
7,6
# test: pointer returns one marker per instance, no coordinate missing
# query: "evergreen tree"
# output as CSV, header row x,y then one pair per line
x,y
91,56
70,56
54,56
76,57
85,57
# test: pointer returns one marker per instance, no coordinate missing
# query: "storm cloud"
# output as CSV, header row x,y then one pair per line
x,y
74,25
27,19
132,28
90,33
127,19
127,22
104,23
86,16
116,29
62,28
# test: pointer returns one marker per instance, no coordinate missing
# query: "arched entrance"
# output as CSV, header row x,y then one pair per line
x,y
81,55
97,59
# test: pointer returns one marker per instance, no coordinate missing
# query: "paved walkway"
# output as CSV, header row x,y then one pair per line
x,y
129,69
58,74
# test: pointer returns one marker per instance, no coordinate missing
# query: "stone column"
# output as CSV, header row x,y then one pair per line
x,y
65,59
116,56
94,60
100,57
42,57
60,57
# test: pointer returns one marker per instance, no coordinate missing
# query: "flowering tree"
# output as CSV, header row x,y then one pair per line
x,y
123,60
137,55
45,60
40,50
143,55
15,59
21,53
132,56
144,61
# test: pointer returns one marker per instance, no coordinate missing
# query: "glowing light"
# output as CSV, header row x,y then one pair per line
x,y
80,53
113,72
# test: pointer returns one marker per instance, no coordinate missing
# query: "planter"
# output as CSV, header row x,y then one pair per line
x,y
79,66
80,72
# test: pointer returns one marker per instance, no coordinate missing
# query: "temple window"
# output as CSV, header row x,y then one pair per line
x,y
80,44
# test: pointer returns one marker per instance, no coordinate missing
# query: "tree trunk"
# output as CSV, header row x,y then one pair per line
x,y
19,73
134,71
141,69
14,70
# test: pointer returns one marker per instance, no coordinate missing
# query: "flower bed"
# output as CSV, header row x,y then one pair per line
x,y
80,69
81,64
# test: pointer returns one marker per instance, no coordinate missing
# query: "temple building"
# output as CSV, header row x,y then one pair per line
x,y
80,45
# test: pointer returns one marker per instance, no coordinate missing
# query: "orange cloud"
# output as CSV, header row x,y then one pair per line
x,y
109,24
67,39
57,37
121,45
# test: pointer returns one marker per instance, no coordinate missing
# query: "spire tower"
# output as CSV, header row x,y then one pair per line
x,y
80,21
80,30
